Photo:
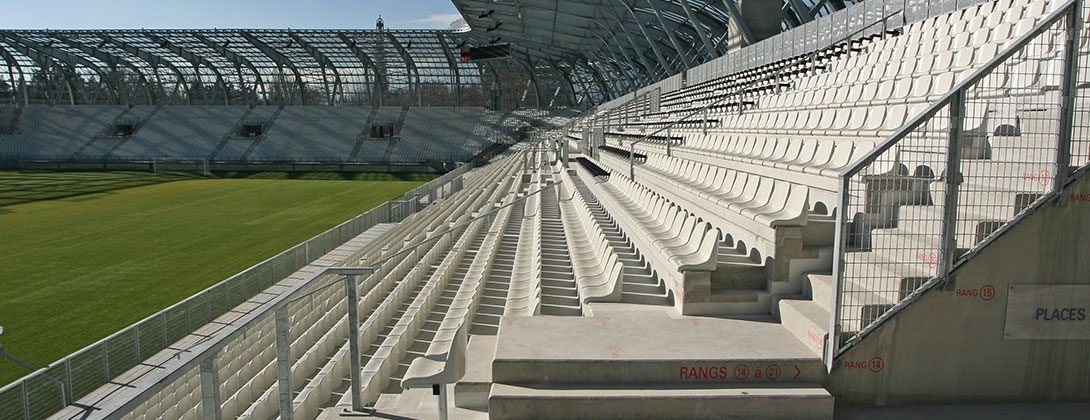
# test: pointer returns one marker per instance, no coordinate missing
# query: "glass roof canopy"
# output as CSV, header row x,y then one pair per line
x,y
269,67
566,53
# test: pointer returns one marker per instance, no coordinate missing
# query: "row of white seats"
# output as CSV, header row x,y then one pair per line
x,y
673,240
524,292
598,273
444,361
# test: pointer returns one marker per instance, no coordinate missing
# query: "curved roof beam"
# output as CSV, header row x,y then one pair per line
x,y
45,59
669,34
281,61
663,63
322,60
239,61
113,61
13,63
152,59
196,60
410,66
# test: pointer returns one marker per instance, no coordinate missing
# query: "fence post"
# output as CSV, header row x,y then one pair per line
x,y
105,362
136,337
163,324
952,182
26,402
68,380
840,246
1067,108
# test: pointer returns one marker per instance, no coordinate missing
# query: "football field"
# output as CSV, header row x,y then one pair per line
x,y
84,254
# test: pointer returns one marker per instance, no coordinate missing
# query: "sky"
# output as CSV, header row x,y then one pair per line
x,y
199,14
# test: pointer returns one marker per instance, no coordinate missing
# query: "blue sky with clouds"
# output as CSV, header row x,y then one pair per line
x,y
174,14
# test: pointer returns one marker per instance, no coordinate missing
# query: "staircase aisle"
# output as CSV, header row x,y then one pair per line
x,y
559,295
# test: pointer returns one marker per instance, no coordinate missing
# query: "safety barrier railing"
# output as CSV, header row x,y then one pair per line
x,y
954,178
37,395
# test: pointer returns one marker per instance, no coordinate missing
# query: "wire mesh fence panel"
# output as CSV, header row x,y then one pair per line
x,y
87,368
892,224
44,396
121,352
235,293
198,311
151,337
952,177
11,403
176,322
217,301
1010,138
1080,147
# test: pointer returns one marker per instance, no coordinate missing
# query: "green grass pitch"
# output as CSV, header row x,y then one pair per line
x,y
85,254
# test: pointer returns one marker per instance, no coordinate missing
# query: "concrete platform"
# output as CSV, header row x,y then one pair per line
x,y
649,347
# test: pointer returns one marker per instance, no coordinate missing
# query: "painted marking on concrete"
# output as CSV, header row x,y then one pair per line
x,y
797,372
818,339
985,292
773,372
1079,197
1042,178
614,350
931,259
603,320
696,322
741,372
509,320
875,364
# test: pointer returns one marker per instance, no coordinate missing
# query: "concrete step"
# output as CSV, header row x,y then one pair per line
x,y
808,321
821,289
472,390
668,401
632,347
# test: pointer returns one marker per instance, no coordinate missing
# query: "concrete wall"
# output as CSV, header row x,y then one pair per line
x,y
949,348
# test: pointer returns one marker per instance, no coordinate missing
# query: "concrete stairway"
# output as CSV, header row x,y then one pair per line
x,y
559,295
490,310
435,317
648,365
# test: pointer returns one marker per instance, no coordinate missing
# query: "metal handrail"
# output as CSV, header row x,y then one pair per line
x,y
956,96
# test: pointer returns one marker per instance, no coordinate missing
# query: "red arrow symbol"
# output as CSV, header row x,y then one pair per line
x,y
797,372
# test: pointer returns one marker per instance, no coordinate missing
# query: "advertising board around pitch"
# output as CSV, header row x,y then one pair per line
x,y
1047,312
